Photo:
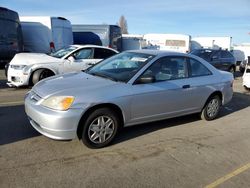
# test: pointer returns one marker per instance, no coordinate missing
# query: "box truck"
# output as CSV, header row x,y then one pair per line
x,y
133,42
103,35
44,34
170,42
212,42
11,41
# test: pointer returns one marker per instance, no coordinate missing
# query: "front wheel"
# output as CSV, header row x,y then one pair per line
x,y
211,109
100,128
41,74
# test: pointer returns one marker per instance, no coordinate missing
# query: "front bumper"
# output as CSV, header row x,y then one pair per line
x,y
17,78
58,125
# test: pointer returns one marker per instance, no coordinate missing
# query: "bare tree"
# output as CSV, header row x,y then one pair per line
x,y
123,24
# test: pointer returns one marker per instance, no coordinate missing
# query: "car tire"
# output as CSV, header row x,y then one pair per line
x,y
41,74
232,70
100,128
242,69
246,88
211,109
6,67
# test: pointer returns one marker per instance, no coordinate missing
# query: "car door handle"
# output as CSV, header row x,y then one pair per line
x,y
186,86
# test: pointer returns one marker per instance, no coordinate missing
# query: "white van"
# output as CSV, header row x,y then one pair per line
x,y
170,42
45,34
224,43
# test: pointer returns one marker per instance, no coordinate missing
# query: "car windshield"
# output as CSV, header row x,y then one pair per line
x,y
204,54
121,67
63,51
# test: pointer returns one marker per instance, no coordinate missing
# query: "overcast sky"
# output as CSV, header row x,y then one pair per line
x,y
193,17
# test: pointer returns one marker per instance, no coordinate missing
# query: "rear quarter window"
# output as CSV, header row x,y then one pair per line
x,y
198,69
101,53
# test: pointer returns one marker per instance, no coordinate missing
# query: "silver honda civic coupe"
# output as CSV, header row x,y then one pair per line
x,y
130,88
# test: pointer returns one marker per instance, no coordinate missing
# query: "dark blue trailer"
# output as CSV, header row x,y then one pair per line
x,y
11,41
103,35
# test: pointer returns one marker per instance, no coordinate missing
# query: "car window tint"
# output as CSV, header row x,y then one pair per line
x,y
205,54
198,69
168,68
101,53
85,53
225,54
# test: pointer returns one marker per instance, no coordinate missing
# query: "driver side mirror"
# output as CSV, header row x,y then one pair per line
x,y
145,79
71,58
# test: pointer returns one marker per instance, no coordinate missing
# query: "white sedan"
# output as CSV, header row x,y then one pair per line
x,y
29,68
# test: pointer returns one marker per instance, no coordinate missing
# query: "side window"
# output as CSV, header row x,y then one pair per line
x,y
85,53
101,53
216,55
225,54
198,69
168,68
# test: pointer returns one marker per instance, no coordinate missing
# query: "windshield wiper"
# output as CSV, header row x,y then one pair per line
x,y
104,76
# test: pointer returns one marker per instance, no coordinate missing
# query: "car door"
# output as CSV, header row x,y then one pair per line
x,y
168,96
79,60
216,59
226,60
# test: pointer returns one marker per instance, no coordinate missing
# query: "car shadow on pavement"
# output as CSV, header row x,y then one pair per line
x,y
3,84
14,125
238,74
128,133
239,102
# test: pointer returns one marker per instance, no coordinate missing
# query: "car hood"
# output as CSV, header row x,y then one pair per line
x,y
80,85
33,58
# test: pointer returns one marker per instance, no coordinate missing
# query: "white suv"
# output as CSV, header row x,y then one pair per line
x,y
30,68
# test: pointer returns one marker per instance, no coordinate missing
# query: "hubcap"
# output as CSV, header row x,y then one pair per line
x,y
101,129
213,107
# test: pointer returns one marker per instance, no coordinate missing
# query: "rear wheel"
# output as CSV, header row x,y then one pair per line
x,y
41,74
100,128
212,108
246,88
242,69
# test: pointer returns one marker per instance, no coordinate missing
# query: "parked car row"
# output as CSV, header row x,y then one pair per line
x,y
45,34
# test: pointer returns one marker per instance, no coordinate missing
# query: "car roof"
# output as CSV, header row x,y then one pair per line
x,y
157,52
91,46
210,49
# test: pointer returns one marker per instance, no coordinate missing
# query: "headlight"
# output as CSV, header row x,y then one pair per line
x,y
18,67
58,102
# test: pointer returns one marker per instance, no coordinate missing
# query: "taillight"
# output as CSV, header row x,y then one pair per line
x,y
52,46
